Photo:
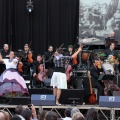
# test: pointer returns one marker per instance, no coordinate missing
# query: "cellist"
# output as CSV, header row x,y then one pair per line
x,y
36,64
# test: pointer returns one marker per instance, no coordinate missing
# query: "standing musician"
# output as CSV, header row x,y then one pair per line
x,y
48,57
58,80
5,51
95,72
27,60
35,68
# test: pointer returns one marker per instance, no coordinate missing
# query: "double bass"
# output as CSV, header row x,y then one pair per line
x,y
92,97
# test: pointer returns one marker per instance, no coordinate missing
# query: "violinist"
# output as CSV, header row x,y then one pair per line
x,y
48,56
59,79
35,68
95,72
5,51
20,64
26,62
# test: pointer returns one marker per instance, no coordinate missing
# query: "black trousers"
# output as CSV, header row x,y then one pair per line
x,y
99,87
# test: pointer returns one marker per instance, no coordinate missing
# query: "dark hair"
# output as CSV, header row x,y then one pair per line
x,y
51,116
19,109
70,46
16,117
68,112
39,55
60,51
27,114
26,45
50,46
93,60
92,114
42,115
112,43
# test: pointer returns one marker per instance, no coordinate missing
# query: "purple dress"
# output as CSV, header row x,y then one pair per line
x,y
11,81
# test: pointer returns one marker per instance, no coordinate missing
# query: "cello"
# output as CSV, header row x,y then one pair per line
x,y
92,97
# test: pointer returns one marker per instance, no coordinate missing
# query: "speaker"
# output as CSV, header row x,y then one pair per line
x,y
68,96
109,101
42,99
78,83
19,101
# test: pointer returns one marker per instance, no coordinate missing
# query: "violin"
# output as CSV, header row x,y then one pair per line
x,y
30,59
20,66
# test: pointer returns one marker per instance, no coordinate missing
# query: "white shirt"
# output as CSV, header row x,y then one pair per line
x,y
67,118
10,64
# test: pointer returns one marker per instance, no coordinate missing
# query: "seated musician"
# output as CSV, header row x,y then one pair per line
x,y
27,60
111,50
70,52
111,36
58,80
11,83
95,72
5,51
36,68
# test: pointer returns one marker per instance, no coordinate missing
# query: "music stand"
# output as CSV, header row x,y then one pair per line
x,y
106,77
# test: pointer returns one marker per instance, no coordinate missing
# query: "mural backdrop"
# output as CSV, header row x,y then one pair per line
x,y
97,18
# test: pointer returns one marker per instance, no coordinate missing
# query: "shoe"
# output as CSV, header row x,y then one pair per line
x,y
57,103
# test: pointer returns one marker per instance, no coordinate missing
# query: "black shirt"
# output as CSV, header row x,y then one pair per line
x,y
49,59
94,72
35,66
110,52
4,53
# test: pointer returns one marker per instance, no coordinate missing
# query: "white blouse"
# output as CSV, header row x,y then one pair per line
x,y
10,64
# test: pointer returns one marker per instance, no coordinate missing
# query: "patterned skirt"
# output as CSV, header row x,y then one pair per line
x,y
12,83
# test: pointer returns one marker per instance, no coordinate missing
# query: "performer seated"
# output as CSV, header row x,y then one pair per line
x,y
111,50
58,80
27,60
36,68
111,36
71,82
5,51
11,83
95,72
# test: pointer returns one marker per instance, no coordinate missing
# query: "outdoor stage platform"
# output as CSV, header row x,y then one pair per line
x,y
105,112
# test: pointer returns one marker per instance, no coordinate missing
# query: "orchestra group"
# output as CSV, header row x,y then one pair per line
x,y
56,65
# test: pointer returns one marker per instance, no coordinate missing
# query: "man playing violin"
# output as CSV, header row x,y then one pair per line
x,y
59,79
36,68
27,59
